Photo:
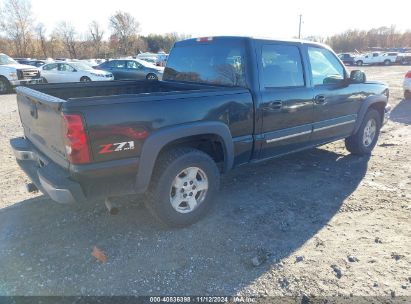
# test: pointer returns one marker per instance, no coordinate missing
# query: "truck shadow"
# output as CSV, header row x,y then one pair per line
x,y
402,112
267,210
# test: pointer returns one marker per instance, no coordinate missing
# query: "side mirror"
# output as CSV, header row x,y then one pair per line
x,y
357,76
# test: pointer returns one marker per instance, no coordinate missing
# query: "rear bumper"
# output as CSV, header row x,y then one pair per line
x,y
48,177
80,183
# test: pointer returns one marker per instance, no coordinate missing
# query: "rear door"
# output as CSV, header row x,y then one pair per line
x,y
119,69
336,102
286,99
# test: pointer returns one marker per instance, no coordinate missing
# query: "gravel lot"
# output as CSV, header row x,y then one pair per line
x,y
321,222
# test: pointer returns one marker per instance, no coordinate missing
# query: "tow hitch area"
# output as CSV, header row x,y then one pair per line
x,y
112,209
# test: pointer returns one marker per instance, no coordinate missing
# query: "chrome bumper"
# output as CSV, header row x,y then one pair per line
x,y
18,82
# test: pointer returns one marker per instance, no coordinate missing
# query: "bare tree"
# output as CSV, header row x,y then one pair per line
x,y
41,37
125,28
96,34
16,22
68,35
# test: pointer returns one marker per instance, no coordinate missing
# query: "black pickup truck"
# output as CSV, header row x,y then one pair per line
x,y
223,102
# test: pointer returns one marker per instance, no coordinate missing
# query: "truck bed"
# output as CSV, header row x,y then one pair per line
x,y
108,107
70,91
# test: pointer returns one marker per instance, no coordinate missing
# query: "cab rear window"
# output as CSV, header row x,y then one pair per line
x,y
208,63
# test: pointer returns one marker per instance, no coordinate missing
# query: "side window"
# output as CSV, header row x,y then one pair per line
x,y
64,67
282,66
325,68
120,64
110,64
69,68
117,64
50,67
133,65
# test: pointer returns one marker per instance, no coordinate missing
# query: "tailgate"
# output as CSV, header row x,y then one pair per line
x,y
42,123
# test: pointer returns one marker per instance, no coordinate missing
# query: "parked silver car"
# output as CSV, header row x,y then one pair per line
x,y
123,69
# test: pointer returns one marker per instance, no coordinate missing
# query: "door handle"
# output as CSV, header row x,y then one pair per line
x,y
319,99
273,105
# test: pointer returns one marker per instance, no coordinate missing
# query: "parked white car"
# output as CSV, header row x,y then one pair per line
x,y
376,58
72,72
407,85
13,73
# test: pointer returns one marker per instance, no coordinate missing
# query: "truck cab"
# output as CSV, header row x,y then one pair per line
x,y
13,73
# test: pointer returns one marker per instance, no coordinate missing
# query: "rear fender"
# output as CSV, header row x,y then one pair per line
x,y
158,140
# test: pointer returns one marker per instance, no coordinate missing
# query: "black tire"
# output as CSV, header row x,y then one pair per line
x,y
169,167
43,80
355,143
151,76
4,85
359,63
85,79
387,62
407,95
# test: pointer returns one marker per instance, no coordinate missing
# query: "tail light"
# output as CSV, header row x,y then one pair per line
x,y
75,139
408,75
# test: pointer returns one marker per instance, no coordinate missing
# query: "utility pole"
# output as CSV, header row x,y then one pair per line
x,y
299,28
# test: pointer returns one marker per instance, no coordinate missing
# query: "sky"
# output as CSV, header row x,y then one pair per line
x,y
277,19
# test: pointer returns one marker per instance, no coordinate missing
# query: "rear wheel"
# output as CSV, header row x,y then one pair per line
x,y
151,76
407,95
387,62
85,79
359,62
183,185
365,139
4,85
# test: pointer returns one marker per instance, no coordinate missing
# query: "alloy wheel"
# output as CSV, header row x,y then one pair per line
x,y
188,189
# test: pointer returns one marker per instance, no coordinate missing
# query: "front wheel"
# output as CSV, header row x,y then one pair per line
x,y
4,85
85,79
359,63
387,62
151,76
183,185
365,139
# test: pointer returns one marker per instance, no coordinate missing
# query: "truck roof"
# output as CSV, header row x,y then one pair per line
x,y
212,38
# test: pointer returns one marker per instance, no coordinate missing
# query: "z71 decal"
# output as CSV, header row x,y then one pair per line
x,y
117,147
